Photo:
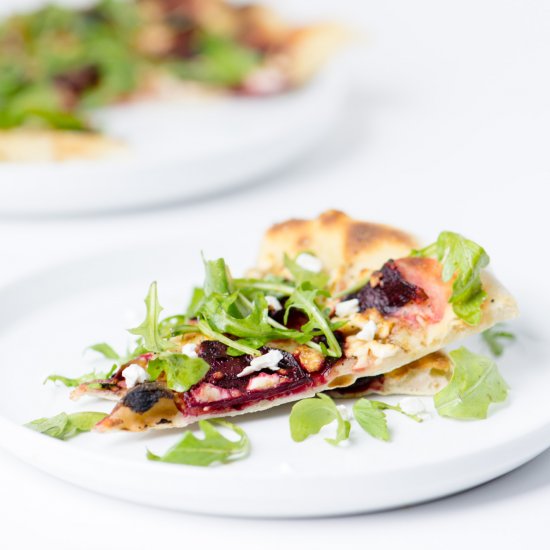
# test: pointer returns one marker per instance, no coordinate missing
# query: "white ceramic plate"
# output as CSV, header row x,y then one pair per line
x,y
47,320
180,150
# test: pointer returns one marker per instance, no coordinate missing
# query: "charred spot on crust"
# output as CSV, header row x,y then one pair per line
x,y
144,396
388,291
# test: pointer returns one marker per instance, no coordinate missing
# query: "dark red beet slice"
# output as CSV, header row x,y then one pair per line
x,y
223,374
389,292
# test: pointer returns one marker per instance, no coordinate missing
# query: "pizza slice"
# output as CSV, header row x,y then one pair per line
x,y
425,376
326,307
58,64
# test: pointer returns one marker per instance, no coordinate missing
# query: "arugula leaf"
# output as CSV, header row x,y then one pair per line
x,y
213,447
255,325
371,417
303,298
149,329
222,61
65,426
217,278
106,350
492,337
475,384
301,275
310,415
181,371
88,377
241,347
195,304
465,259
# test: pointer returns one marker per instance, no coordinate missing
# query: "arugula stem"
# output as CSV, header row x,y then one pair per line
x,y
266,286
205,328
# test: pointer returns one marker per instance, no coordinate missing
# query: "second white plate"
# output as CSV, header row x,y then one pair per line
x,y
179,150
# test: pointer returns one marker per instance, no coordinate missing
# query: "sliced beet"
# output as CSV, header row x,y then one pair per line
x,y
389,292
223,375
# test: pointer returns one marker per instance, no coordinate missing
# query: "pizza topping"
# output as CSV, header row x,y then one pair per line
x,y
309,262
134,374
273,303
189,349
270,361
462,261
368,331
347,307
387,291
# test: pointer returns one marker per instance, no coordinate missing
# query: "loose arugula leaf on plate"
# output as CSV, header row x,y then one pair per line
x,y
301,275
465,259
475,384
212,447
65,426
181,371
149,329
371,417
493,336
310,415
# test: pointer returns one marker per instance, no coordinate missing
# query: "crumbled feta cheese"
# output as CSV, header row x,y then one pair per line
x,y
309,262
382,351
273,303
269,360
134,374
190,350
347,307
367,332
263,382
412,405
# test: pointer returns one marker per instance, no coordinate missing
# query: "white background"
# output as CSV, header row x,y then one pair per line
x,y
447,126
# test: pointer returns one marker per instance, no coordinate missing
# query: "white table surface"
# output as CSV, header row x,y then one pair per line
x,y
447,126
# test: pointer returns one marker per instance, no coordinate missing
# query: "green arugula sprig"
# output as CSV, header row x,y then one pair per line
x,y
235,312
463,259
181,371
475,384
308,416
211,448
66,426
149,330
371,417
494,336
102,348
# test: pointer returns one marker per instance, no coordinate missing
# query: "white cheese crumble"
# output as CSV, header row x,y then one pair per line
x,y
190,350
134,374
367,332
273,303
412,405
269,360
348,307
309,262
